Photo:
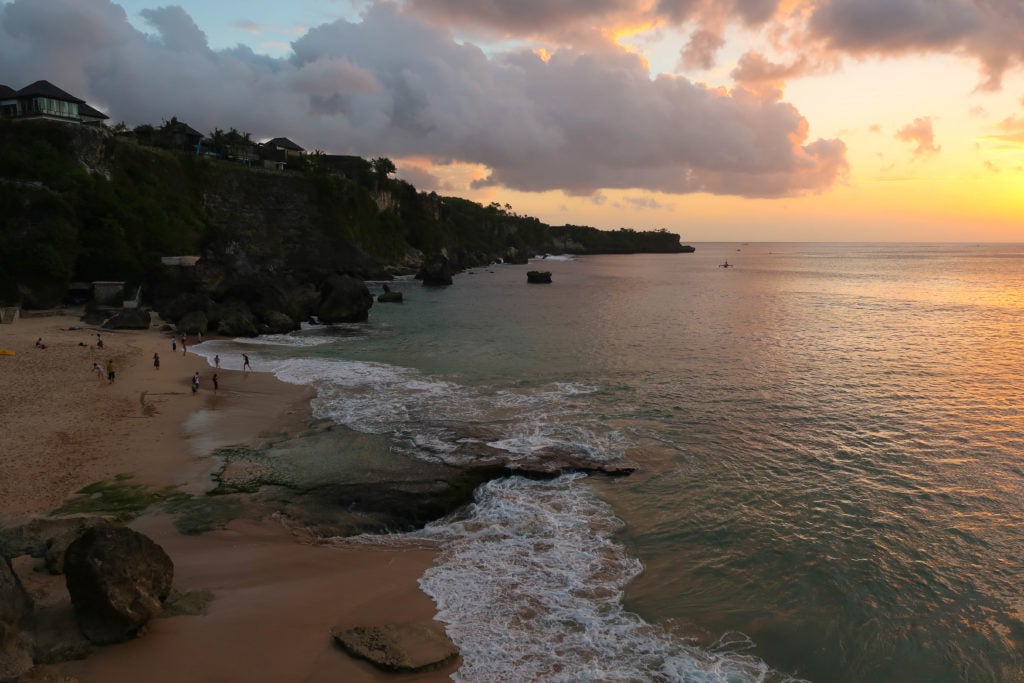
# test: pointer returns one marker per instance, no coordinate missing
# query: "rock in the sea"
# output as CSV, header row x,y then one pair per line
x,y
398,647
388,296
118,580
436,271
538,277
344,299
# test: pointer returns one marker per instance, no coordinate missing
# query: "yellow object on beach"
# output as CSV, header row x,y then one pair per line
x,y
5,352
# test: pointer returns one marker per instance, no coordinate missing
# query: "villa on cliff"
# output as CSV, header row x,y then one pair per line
x,y
44,100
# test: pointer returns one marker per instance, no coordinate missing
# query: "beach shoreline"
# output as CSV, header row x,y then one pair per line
x,y
275,594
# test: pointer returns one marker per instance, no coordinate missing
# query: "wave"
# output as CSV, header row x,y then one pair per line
x,y
530,587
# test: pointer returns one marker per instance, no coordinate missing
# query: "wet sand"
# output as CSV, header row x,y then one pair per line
x,y
276,595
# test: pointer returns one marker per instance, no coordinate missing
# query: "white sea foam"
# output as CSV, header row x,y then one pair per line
x,y
554,257
530,588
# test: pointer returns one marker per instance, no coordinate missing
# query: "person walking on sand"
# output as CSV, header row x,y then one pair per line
x,y
216,361
110,371
99,341
156,361
215,385
245,363
98,370
174,344
184,345
195,382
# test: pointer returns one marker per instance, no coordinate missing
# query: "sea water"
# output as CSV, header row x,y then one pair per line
x,y
829,442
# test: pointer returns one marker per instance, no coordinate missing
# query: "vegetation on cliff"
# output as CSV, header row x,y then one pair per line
x,y
80,203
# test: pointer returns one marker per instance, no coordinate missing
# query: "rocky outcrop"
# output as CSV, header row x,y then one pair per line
x,y
437,270
15,613
405,648
538,277
46,538
118,580
129,319
344,299
235,320
194,322
389,296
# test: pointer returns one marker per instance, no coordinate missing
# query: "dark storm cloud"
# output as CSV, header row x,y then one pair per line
x,y
991,31
392,85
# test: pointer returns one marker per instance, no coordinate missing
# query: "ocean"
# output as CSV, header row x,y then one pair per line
x,y
829,442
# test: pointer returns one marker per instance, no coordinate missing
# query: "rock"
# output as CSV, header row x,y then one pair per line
x,y
129,319
388,296
398,647
45,537
15,614
344,299
436,271
118,580
538,277
276,322
193,322
236,320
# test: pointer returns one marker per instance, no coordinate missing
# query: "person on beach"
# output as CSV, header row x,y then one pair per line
x,y
40,344
99,341
216,361
195,382
215,385
184,345
98,370
110,371
156,361
174,344
245,363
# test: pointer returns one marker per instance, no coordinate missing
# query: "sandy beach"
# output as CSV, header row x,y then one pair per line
x,y
276,594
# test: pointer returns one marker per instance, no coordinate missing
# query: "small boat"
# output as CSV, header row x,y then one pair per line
x,y
725,265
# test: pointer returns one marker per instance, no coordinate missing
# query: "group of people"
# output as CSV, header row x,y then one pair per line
x,y
111,371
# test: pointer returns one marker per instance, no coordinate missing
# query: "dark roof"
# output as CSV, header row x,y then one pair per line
x,y
47,89
184,129
285,143
7,92
85,110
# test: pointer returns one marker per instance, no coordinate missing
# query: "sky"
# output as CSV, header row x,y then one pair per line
x,y
720,120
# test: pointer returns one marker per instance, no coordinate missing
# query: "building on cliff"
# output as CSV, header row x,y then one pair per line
x,y
43,99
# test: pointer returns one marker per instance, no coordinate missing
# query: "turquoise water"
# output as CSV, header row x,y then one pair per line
x,y
830,444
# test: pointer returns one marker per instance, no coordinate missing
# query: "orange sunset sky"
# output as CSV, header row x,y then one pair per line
x,y
730,120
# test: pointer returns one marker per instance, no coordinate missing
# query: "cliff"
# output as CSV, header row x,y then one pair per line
x,y
80,204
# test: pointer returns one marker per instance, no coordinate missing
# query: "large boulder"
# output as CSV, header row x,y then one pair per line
x,y
15,614
398,647
118,580
389,296
437,270
344,299
46,537
235,320
276,322
129,319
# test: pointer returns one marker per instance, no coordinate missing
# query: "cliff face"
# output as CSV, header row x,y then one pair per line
x,y
82,204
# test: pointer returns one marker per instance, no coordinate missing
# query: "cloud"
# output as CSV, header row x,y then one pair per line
x,y
394,85
701,49
989,30
920,133
643,203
